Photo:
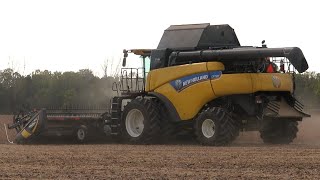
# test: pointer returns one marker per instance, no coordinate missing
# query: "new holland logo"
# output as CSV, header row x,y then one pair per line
x,y
178,84
184,82
276,81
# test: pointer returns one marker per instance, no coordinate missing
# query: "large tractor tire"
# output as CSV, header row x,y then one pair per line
x,y
278,131
141,121
215,127
167,127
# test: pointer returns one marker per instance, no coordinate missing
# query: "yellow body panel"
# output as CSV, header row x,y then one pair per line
x,y
159,77
162,76
35,127
215,66
232,84
246,83
191,98
264,82
25,134
189,101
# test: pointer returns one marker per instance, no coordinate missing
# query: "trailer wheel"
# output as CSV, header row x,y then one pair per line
x,y
278,131
141,121
82,133
214,127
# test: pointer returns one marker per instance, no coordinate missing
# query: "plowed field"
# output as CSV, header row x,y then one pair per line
x,y
247,158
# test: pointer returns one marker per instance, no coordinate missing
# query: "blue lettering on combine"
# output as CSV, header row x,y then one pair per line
x,y
184,82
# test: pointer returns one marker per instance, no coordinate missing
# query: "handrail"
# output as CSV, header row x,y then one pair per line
x,y
131,81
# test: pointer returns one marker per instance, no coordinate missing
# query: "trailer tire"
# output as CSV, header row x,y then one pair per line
x,y
82,134
215,127
278,131
141,121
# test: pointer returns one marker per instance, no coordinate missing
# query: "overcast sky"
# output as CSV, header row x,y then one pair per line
x,y
68,35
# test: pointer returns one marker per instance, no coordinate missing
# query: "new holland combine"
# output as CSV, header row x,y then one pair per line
x,y
200,80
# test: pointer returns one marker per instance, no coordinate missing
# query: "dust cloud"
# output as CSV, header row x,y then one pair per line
x,y
309,132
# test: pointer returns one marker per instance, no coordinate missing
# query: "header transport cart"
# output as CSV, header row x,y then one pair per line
x,y
79,123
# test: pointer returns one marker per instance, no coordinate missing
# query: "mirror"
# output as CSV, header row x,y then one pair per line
x,y
125,55
124,62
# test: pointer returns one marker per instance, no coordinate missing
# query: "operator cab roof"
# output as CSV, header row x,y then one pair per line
x,y
141,52
198,36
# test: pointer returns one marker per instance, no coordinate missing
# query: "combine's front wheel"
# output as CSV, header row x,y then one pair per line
x,y
214,127
141,121
278,131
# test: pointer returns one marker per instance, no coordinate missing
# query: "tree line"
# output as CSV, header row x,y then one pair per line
x,y
307,89
45,89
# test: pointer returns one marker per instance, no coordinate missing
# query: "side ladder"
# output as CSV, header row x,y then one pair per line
x,y
115,115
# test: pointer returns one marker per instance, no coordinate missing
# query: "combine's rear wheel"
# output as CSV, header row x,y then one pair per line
x,y
214,127
278,131
141,121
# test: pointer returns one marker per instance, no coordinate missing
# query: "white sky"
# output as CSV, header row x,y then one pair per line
x,y
68,35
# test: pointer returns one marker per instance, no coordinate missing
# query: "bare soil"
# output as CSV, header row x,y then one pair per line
x,y
246,158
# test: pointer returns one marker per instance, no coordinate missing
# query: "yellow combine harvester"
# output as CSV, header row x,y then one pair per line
x,y
200,79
